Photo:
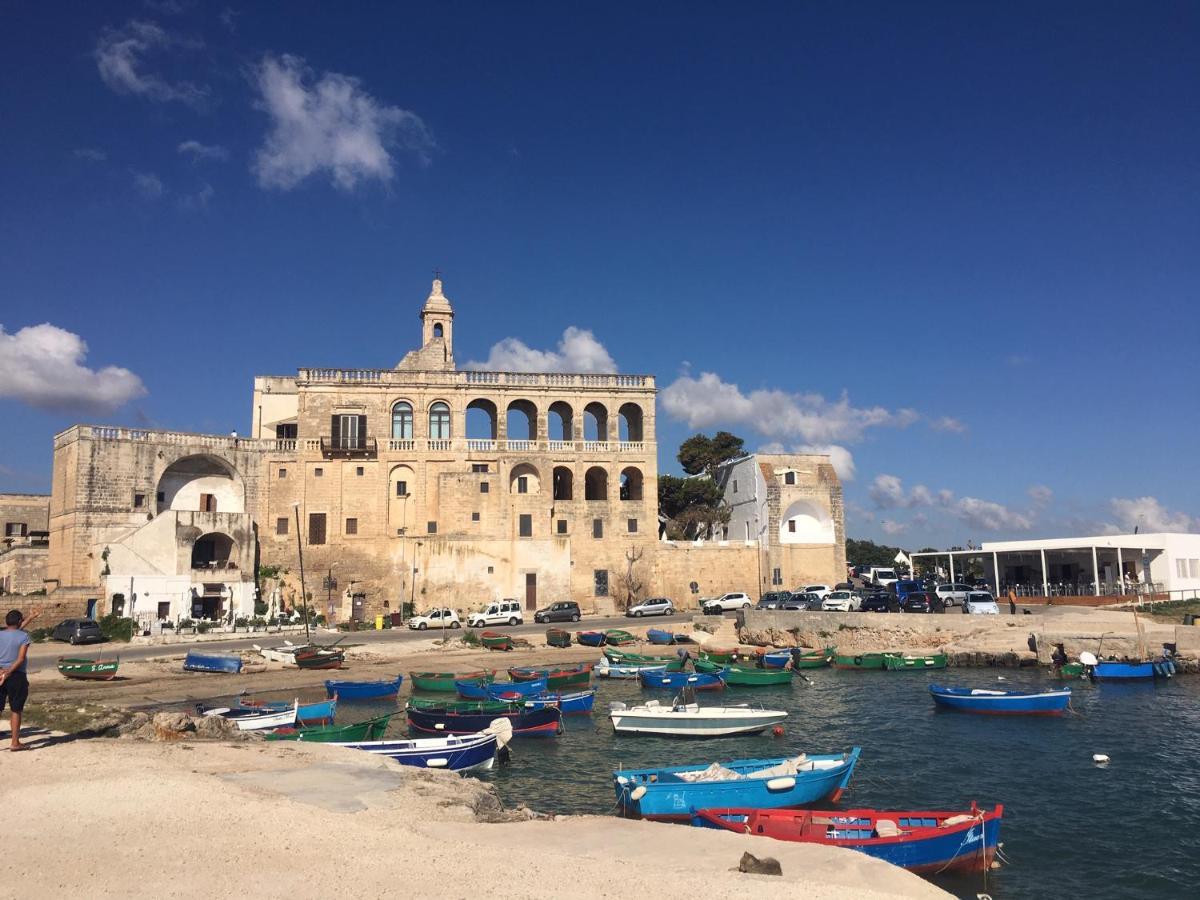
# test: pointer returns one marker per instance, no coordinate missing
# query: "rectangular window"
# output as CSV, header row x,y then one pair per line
x,y
483,487
139,501
283,473
474,517
281,525
208,503
1181,568
632,526
522,484
286,431
15,529
600,577
401,488
776,577
479,467
316,528
352,526
349,431
1195,566
526,525
431,527
789,478
360,471
597,528
318,472
562,526
792,526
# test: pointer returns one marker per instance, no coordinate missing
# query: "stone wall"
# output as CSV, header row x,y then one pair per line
x,y
29,510
22,570
716,568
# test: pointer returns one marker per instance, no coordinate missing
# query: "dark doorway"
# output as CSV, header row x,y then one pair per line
x,y
358,607
531,590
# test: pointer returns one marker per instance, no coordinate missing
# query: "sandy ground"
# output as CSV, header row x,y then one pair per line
x,y
106,818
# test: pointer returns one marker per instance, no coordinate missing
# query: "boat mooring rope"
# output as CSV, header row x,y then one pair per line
x,y
963,843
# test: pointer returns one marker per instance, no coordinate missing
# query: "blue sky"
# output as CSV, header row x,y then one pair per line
x,y
957,243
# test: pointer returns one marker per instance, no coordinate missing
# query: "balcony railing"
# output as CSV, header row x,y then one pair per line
x,y
401,444
353,447
481,445
499,379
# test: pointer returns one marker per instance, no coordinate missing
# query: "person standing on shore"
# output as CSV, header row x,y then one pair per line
x,y
14,686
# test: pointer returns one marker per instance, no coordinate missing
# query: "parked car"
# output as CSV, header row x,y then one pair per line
x,y
78,631
502,612
655,606
820,589
883,576
953,594
727,602
922,602
880,602
841,601
793,602
435,618
903,587
772,600
562,611
981,603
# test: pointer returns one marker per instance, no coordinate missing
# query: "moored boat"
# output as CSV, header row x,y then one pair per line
x,y
571,703
364,690
812,659
659,636
675,793
307,714
606,669
718,655
1126,669
615,637
673,662
255,719
920,841
697,681
907,662
775,659
590,638
692,720
223,663
494,640
555,678
557,637
745,676
456,720
367,730
98,669
1070,670
508,690
286,653
455,753
443,682
319,657
859,661
999,703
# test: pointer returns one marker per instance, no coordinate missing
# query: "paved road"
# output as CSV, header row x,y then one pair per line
x,y
55,649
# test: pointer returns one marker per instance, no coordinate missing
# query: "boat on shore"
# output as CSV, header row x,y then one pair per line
x,y
494,640
812,659
364,690
461,753
745,676
98,669
697,681
676,792
615,637
312,657
660,636
367,730
860,662
684,719
211,661
443,682
307,714
672,662
255,719
922,841
906,662
1002,703
558,637
463,718
590,638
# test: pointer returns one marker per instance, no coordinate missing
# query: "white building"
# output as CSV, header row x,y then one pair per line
x,y
1102,565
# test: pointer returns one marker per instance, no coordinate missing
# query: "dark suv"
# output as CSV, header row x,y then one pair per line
x,y
923,602
880,602
563,611
78,631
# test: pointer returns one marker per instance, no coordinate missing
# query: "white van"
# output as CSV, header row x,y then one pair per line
x,y
883,577
502,612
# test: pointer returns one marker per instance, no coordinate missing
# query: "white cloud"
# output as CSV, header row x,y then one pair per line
x,y
1148,515
1040,494
948,423
120,57
985,514
892,527
148,184
331,125
91,154
841,458
42,365
198,151
707,401
578,351
887,492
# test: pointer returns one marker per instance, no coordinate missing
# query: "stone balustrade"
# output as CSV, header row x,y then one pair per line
x,y
522,379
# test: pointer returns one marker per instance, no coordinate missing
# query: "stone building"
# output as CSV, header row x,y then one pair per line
x,y
24,518
424,484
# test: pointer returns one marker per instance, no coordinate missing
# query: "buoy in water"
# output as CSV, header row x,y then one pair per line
x,y
1100,759
777,731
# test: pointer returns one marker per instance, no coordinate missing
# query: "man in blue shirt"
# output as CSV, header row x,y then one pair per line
x,y
14,686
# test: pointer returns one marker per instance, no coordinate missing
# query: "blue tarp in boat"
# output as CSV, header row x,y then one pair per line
x,y
225,663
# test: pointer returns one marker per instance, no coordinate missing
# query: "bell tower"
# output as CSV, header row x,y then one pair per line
x,y
437,322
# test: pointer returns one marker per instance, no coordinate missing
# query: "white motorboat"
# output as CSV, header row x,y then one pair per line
x,y
692,719
285,654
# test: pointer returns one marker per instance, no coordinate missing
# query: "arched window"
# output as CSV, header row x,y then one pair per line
x,y
439,422
402,421
437,329
595,484
631,484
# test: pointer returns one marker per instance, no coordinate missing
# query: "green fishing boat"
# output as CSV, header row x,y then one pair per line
x,y
621,658
1070,670
88,669
908,662
463,706
744,676
616,637
556,637
443,682
813,659
368,730
496,641
859,661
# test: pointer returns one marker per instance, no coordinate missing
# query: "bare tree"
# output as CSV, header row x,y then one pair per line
x,y
629,581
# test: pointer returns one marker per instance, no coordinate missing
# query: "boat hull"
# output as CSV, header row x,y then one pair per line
x,y
1002,703
498,690
454,754
371,729
443,682
1111,670
899,662
590,638
697,681
660,637
212,662
319,659
745,677
526,723
555,678
860,662
667,723
363,690
669,798
493,641
556,637
88,669
578,703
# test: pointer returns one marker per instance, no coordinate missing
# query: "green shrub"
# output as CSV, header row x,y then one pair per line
x,y
203,626
40,634
116,628
166,626
186,623
319,620
260,607
241,622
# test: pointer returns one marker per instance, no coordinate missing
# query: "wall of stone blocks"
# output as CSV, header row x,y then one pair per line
x,y
23,570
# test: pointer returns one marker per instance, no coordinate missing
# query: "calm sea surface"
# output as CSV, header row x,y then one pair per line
x,y
1128,830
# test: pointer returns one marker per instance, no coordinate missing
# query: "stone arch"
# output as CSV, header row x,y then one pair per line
x,y
804,522
438,330
595,483
631,483
213,550
402,499
439,421
629,424
564,483
194,482
523,426
560,422
595,422
482,419
402,421
524,479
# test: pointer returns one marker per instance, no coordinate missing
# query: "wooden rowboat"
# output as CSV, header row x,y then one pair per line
x,y
319,658
615,637
443,682
364,690
859,661
744,676
556,679
493,640
590,638
368,730
88,669
1002,703
557,637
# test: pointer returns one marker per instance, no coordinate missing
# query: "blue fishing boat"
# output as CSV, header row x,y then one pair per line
x,y
207,661
673,794
307,714
963,842
776,659
1002,703
499,690
590,638
574,703
545,722
454,753
659,636
697,681
363,690
1112,670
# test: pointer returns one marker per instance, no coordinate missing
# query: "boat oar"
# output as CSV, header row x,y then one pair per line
x,y
801,675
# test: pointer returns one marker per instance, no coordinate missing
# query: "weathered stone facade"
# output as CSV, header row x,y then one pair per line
x,y
421,483
24,522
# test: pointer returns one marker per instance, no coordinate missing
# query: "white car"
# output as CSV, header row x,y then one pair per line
x,y
821,590
981,603
435,618
953,594
841,601
655,606
727,602
884,577
502,612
